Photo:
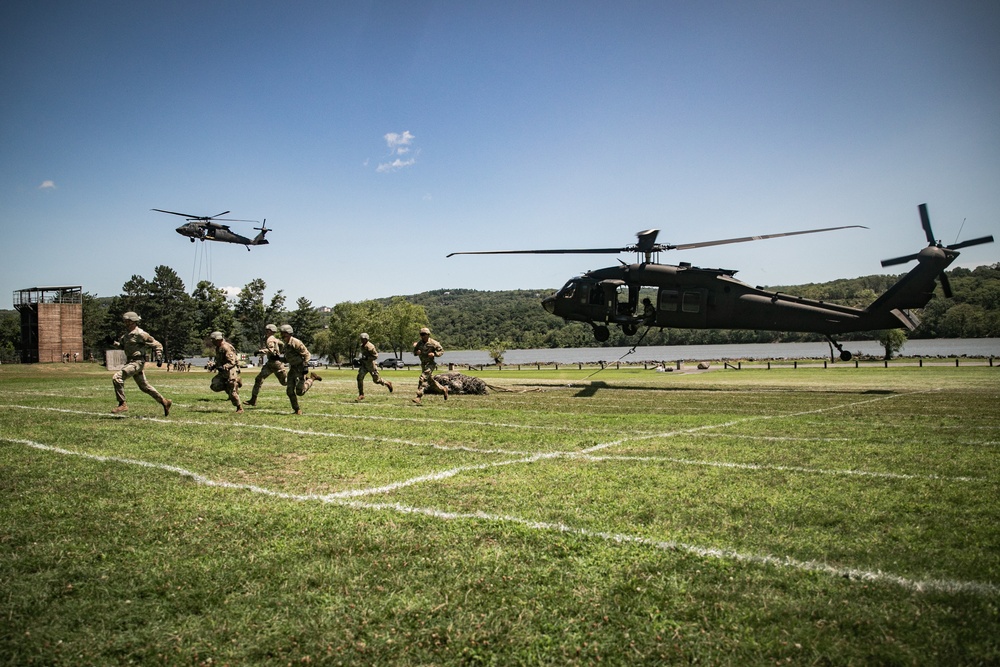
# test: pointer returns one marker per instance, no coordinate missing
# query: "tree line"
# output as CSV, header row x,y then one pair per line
x,y
462,318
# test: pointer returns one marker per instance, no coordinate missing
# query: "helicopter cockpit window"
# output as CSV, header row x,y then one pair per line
x,y
669,300
568,291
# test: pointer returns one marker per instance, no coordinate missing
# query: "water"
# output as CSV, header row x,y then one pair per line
x,y
940,347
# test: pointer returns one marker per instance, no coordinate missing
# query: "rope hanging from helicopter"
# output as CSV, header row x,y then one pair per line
x,y
632,351
202,252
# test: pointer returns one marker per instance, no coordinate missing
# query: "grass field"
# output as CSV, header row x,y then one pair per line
x,y
808,516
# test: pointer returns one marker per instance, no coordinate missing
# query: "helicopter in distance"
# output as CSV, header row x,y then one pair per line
x,y
207,228
688,297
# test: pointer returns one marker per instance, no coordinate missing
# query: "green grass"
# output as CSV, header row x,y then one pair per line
x,y
804,516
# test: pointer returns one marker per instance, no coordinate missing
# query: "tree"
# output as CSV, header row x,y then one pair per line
x,y
892,340
213,312
305,320
173,317
95,325
253,315
496,349
10,336
402,321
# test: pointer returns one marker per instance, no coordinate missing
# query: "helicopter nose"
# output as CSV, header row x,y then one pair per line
x,y
549,304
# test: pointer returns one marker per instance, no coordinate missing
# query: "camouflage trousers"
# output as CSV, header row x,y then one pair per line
x,y
368,367
427,378
133,369
229,382
298,384
271,367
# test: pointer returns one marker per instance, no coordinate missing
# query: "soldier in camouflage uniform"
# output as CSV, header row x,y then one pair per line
x,y
272,350
299,377
135,342
368,356
428,349
227,370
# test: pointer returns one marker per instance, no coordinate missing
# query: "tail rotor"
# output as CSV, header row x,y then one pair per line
x,y
925,222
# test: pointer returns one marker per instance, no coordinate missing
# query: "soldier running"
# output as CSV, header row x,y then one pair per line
x,y
227,370
300,379
272,350
428,349
135,342
367,367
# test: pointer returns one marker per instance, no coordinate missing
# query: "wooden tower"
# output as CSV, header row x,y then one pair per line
x,y
51,323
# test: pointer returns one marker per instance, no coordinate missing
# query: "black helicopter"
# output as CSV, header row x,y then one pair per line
x,y
688,297
207,228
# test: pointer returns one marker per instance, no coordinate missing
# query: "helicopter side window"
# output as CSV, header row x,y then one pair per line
x,y
669,300
692,302
597,295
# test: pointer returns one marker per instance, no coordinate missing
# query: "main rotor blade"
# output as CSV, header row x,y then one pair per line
x,y
567,251
232,219
744,239
218,214
966,244
183,215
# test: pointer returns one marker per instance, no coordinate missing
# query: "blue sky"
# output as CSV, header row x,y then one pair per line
x,y
376,138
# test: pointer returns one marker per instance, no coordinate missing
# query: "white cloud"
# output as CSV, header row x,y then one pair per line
x,y
394,165
47,185
399,144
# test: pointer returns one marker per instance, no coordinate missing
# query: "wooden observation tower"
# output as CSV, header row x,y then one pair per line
x,y
51,323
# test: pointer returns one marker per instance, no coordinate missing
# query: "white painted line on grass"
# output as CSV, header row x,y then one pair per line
x,y
877,576
528,457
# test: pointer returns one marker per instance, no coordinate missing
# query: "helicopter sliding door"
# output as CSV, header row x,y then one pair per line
x,y
686,308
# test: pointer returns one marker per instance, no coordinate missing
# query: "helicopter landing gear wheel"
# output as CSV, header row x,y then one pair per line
x,y
844,354
601,333
630,329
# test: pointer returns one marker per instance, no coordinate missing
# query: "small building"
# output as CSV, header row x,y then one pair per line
x,y
51,323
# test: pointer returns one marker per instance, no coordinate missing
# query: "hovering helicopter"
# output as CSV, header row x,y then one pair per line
x,y
689,297
207,228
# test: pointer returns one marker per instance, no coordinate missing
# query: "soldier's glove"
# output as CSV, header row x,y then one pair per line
x,y
159,359
210,366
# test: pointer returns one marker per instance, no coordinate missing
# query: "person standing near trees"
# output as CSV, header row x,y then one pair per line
x,y
296,355
135,342
227,370
367,367
428,350
271,350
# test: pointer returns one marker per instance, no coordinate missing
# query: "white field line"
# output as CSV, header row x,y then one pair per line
x,y
734,422
528,457
915,585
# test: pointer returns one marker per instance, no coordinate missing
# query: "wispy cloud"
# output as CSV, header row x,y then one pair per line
x,y
47,185
399,144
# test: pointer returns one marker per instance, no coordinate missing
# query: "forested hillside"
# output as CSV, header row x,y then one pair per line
x,y
466,319
471,319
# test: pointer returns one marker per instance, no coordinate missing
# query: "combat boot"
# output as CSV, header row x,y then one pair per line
x,y
239,410
360,398
417,400
252,402
122,407
444,390
296,412
314,377
166,407
389,385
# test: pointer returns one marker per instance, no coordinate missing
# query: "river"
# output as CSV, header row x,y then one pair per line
x,y
938,347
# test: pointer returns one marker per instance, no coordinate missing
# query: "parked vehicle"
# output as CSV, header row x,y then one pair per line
x,y
392,362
